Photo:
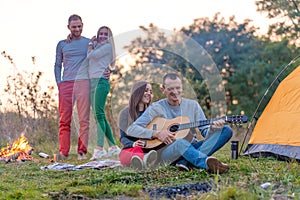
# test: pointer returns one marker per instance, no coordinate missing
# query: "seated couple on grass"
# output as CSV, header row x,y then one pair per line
x,y
139,133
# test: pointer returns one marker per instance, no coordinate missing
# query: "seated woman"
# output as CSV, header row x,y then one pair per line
x,y
133,154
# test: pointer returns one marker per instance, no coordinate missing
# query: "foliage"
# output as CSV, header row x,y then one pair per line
x,y
245,61
29,106
286,16
160,52
231,46
154,55
25,94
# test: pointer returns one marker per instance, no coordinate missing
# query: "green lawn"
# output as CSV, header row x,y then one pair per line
x,y
26,180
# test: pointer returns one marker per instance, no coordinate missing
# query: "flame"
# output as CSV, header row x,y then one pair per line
x,y
19,150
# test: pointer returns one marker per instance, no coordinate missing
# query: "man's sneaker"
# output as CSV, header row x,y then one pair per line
x,y
150,159
113,150
136,163
182,167
59,157
215,166
82,156
98,154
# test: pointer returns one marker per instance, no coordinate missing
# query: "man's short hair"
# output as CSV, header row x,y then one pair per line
x,y
172,76
74,17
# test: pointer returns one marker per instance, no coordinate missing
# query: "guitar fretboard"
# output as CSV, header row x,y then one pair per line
x,y
198,123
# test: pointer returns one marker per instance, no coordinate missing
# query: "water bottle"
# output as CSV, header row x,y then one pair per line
x,y
234,149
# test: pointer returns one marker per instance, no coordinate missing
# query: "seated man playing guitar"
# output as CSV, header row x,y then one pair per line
x,y
174,145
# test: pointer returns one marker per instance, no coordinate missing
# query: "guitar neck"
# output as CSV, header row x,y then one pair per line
x,y
198,123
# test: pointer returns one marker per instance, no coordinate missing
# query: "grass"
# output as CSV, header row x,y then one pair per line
x,y
26,180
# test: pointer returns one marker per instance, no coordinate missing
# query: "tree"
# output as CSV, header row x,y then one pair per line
x,y
233,47
287,16
160,52
247,63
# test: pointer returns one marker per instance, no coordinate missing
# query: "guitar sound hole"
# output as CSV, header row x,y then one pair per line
x,y
174,128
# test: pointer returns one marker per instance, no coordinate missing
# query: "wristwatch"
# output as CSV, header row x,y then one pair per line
x,y
91,44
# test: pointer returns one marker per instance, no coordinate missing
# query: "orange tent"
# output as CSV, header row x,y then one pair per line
x,y
277,131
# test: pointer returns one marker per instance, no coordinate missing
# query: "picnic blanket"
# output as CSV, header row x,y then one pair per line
x,y
99,164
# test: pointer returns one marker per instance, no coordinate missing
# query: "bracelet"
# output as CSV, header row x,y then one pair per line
x,y
91,44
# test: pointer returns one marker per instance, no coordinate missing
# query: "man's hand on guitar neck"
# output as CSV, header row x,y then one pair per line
x,y
165,136
218,124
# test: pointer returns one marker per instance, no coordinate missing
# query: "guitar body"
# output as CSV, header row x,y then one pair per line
x,y
160,123
181,127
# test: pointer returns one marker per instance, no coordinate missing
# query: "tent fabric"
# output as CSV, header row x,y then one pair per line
x,y
277,130
282,152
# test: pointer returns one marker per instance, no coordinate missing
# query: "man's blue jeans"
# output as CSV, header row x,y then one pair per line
x,y
197,153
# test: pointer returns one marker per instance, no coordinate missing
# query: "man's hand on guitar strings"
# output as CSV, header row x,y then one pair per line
x,y
165,136
138,143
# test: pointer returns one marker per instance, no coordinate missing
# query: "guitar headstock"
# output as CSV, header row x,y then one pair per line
x,y
236,119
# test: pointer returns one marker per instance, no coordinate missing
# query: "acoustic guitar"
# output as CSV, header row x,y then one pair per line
x,y
181,126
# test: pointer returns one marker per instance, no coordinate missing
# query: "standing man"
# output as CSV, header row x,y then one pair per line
x,y
174,105
71,74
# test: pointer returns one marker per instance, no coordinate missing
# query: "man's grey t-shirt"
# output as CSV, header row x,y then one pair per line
x,y
71,63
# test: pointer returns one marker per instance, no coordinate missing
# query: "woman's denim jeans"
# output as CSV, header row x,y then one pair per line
x,y
197,153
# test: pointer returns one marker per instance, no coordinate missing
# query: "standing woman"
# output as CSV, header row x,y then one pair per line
x,y
101,56
132,153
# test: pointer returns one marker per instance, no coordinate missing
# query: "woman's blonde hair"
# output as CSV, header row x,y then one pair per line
x,y
111,41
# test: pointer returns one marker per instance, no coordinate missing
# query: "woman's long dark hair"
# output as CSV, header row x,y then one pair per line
x,y
137,93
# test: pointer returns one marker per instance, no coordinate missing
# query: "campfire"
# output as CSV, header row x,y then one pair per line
x,y
20,150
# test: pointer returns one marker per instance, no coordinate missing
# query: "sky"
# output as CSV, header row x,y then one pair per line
x,y
34,27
